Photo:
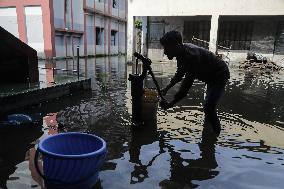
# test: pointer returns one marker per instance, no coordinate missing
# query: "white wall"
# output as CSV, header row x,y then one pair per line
x,y
90,3
8,20
100,5
34,28
114,11
194,8
205,7
121,5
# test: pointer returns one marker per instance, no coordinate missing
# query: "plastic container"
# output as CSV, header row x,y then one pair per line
x,y
18,121
150,102
71,160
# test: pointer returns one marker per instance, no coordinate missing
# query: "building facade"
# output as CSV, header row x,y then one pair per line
x,y
239,26
55,28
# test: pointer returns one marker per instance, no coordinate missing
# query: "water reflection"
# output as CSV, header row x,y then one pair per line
x,y
174,151
142,135
182,170
185,170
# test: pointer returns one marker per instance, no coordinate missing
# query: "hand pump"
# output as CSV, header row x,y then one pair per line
x,y
137,86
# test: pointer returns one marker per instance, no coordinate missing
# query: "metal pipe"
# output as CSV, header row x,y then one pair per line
x,y
136,66
196,39
78,68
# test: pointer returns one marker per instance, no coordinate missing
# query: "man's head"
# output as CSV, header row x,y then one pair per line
x,y
172,43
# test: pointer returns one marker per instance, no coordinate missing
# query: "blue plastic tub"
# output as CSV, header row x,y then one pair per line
x,y
17,120
71,160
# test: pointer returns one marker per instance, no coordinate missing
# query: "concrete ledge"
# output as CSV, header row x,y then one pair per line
x,y
85,56
18,100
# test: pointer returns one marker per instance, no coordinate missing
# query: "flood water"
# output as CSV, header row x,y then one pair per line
x,y
173,152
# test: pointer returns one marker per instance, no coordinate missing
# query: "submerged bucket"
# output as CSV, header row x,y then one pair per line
x,y
150,102
71,160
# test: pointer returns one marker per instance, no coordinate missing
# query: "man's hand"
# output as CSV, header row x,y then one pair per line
x,y
164,91
166,105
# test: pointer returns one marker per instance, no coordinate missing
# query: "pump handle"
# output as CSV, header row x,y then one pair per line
x,y
143,58
148,68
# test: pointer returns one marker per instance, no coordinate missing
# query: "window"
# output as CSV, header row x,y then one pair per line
x,y
68,14
99,36
157,31
113,37
199,30
237,34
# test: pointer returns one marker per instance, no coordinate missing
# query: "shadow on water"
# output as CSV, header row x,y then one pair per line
x,y
173,151
15,145
183,170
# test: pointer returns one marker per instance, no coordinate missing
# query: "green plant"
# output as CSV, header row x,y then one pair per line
x,y
138,24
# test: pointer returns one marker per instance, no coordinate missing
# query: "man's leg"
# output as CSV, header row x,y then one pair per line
x,y
213,93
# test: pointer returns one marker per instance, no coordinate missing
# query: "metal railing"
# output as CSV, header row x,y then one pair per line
x,y
67,70
224,57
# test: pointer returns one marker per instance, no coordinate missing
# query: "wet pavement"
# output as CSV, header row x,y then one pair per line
x,y
174,152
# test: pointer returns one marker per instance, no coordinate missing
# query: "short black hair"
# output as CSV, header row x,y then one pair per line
x,y
171,38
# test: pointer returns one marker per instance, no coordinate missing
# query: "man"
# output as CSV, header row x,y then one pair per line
x,y
194,62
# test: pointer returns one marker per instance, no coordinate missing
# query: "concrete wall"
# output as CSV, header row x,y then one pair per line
x,y
100,5
114,10
157,27
215,9
86,16
122,8
65,25
90,3
205,7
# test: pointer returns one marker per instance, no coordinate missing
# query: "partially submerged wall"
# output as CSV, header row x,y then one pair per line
x,y
18,61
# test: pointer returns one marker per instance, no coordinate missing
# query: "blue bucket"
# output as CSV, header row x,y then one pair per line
x,y
71,160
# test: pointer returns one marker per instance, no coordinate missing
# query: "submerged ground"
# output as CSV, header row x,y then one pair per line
x,y
172,153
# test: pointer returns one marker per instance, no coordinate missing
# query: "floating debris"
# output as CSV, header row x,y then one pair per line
x,y
260,62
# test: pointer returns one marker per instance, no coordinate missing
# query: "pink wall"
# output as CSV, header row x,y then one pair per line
x,y
47,16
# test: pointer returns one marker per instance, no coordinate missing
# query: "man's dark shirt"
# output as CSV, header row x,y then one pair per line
x,y
198,63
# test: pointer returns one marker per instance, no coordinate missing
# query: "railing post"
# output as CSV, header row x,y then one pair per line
x,y
78,73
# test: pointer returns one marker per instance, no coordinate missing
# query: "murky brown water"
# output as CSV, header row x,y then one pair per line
x,y
174,152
